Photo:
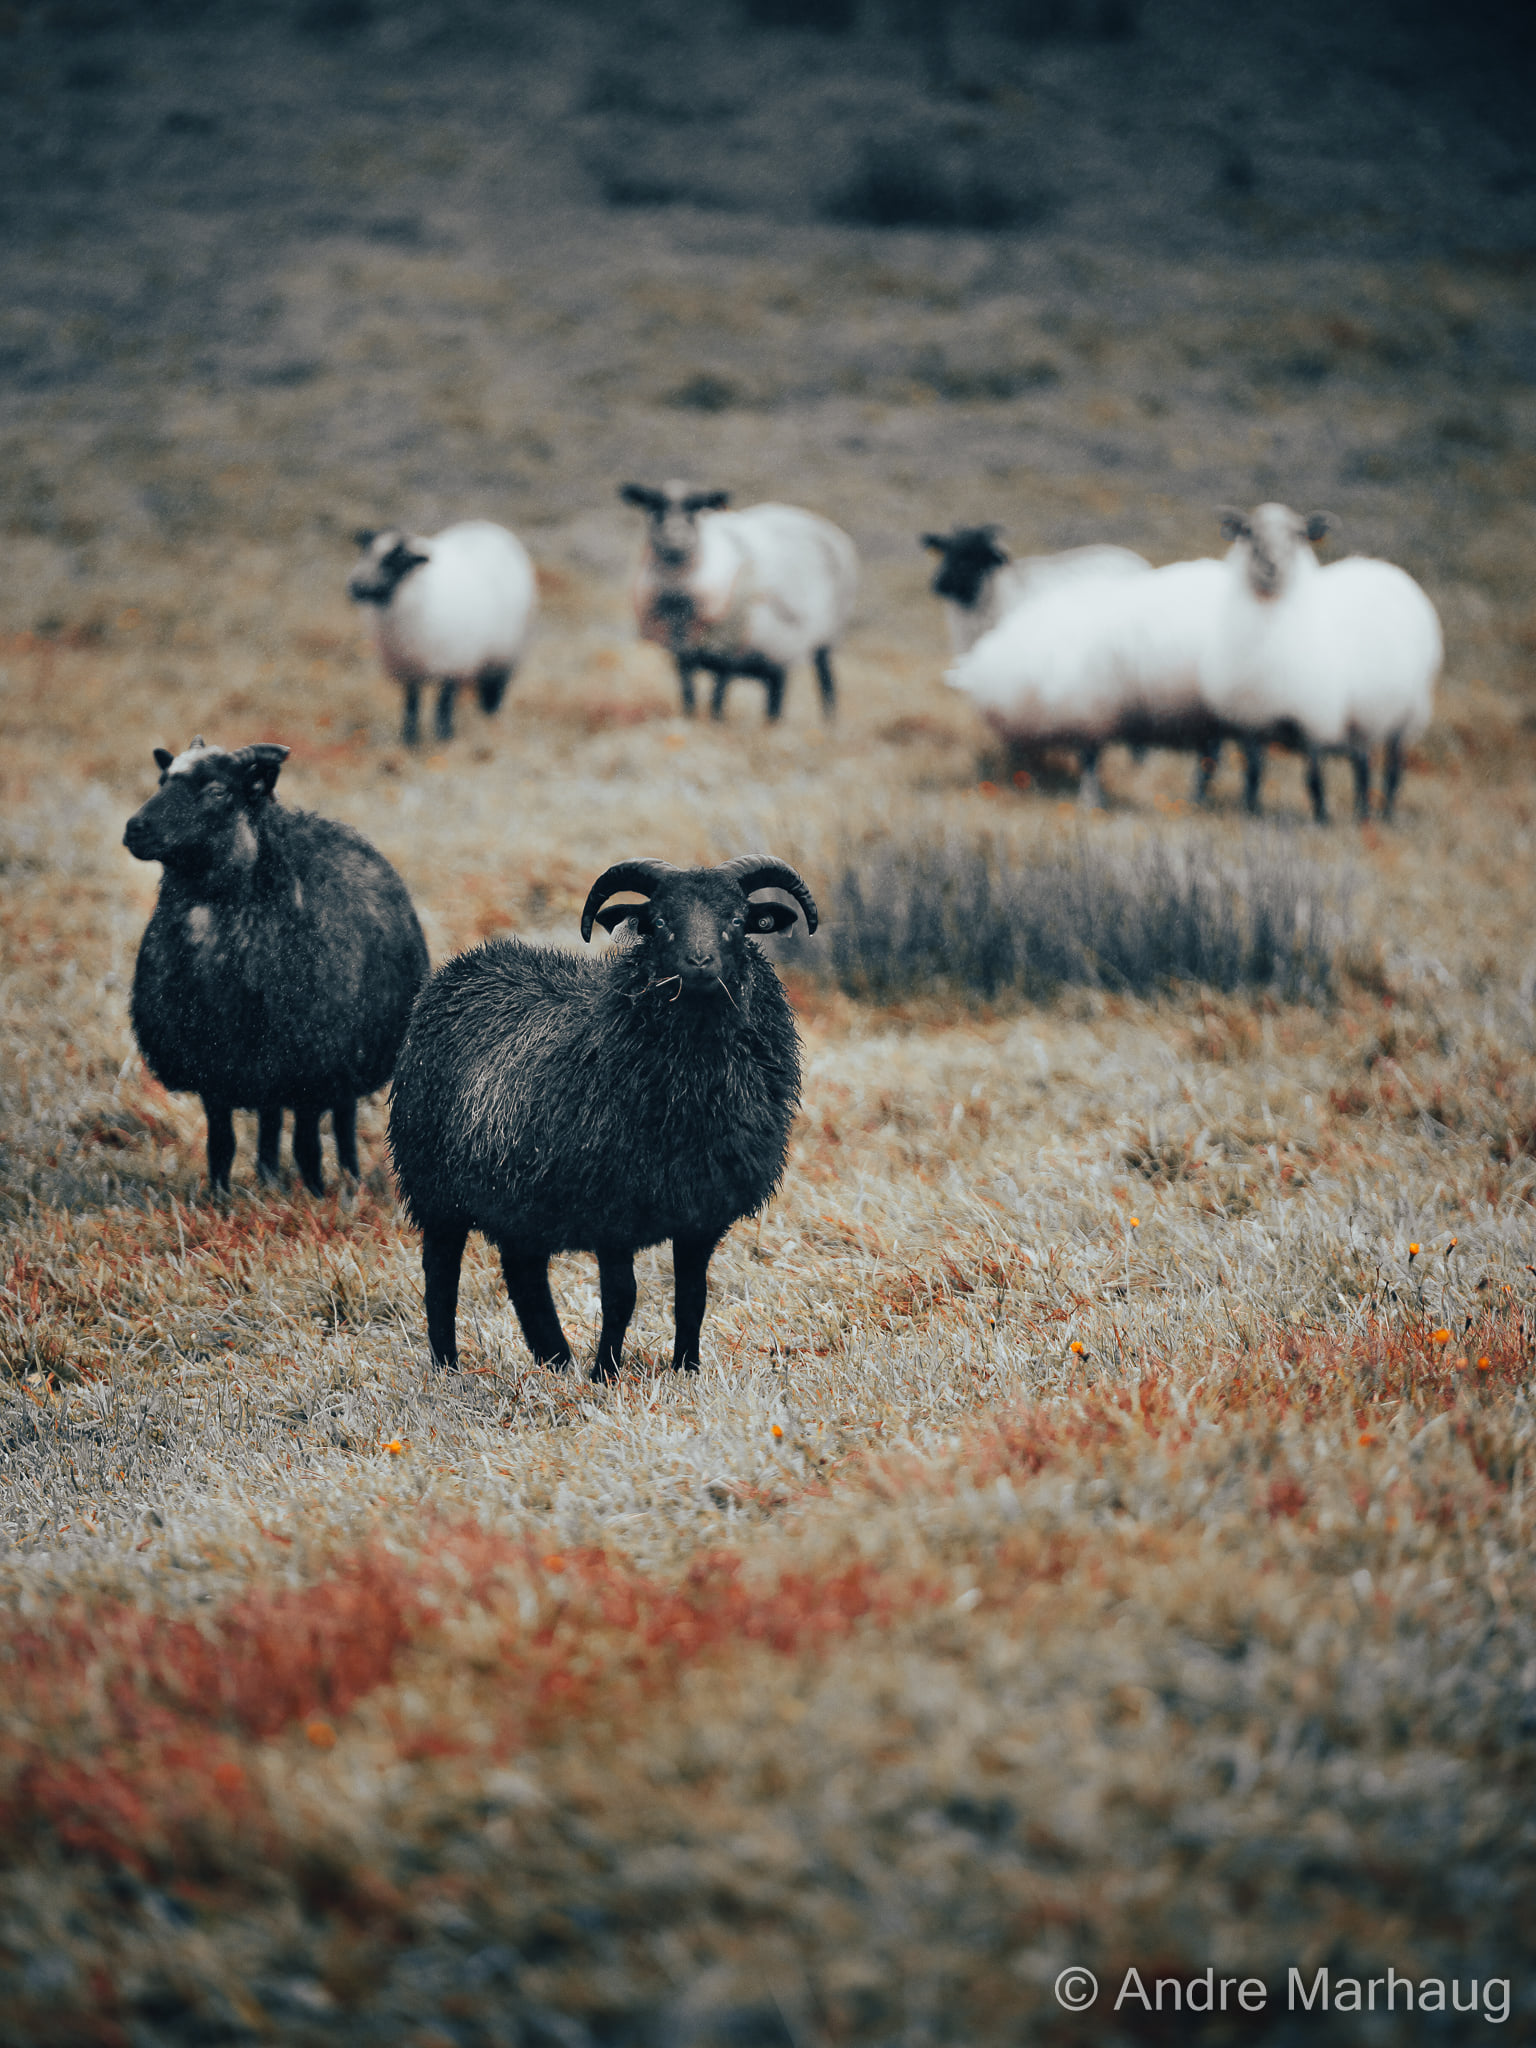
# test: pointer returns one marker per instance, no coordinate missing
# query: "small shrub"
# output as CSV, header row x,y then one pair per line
x,y
902,185
908,917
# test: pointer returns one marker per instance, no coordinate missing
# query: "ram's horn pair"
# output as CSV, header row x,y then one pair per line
x,y
749,871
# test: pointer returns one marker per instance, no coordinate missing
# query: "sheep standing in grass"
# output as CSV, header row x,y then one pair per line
x,y
452,607
1329,660
741,593
980,582
1096,660
280,965
561,1104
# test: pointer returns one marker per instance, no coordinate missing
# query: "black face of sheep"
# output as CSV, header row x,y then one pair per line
x,y
970,554
672,518
280,965
557,1103
389,559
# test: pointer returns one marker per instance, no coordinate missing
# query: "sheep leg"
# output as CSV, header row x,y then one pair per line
x,y
269,1141
446,693
1315,786
690,1273
306,1149
221,1144
773,677
344,1129
685,680
1205,768
616,1284
442,1253
410,731
1089,789
1391,774
828,684
717,695
1360,760
1254,752
492,687
527,1278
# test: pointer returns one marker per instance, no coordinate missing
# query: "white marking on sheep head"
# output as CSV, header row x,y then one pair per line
x,y
201,822
672,515
1271,540
971,556
695,922
389,556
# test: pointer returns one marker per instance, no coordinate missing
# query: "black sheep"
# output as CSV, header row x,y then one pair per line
x,y
280,966
557,1104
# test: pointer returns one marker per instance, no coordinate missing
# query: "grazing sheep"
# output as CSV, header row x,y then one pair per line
x,y
1327,660
741,593
561,1104
1097,660
453,607
980,582
280,965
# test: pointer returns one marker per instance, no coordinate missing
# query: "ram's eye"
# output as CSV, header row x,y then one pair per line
x,y
216,793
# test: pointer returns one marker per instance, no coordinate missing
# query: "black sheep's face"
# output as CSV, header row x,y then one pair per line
x,y
969,557
388,558
672,520
201,820
695,930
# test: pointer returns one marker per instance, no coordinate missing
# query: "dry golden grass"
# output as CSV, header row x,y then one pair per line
x,y
1101,1531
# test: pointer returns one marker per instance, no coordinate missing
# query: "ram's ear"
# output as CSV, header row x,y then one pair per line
x,y
616,914
365,536
939,542
402,559
706,501
1234,524
763,918
163,758
1319,523
259,766
643,496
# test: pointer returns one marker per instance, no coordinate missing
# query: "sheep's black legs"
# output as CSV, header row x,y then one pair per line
x,y
221,1144
269,1141
824,677
717,695
442,1253
685,681
306,1149
344,1129
1391,774
1360,759
492,687
445,696
410,730
1205,768
527,1278
1254,752
1315,788
773,677
690,1272
1089,789
616,1282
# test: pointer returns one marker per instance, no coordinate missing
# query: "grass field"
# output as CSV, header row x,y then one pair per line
x,y
1100,1534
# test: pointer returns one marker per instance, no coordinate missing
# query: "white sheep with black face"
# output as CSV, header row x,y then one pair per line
x,y
452,608
980,582
741,593
1336,659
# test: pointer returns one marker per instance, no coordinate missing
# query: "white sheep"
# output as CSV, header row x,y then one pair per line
x,y
1327,660
1096,660
741,593
452,607
980,581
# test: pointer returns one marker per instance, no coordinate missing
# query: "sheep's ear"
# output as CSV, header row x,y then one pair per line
x,y
617,914
706,501
259,766
365,536
939,542
1234,524
642,495
402,559
771,917
1319,523
163,758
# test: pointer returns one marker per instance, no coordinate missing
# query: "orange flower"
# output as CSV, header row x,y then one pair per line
x,y
321,1734
1441,1336
777,1429
395,1446
1365,1437
987,788
1076,1346
1485,1365
1135,1223
1413,1253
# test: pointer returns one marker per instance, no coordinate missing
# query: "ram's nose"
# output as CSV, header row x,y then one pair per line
x,y
700,968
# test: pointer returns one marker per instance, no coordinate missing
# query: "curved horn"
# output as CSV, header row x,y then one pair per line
x,y
761,871
644,876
